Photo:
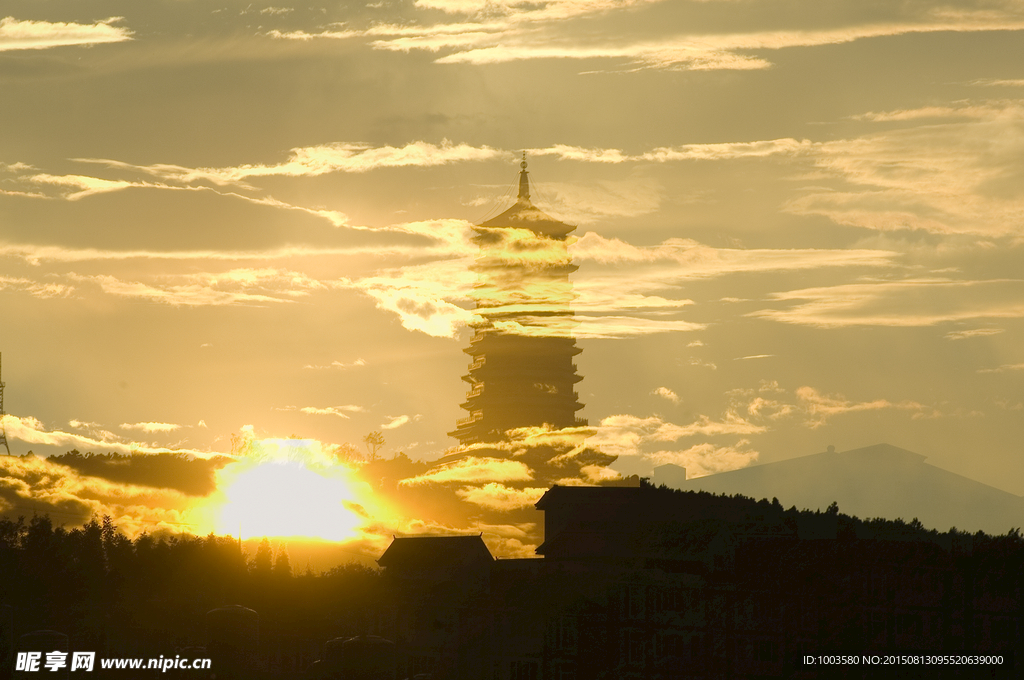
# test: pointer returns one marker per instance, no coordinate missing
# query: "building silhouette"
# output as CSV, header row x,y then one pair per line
x,y
521,372
657,584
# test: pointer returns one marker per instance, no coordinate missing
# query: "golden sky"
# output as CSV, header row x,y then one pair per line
x,y
799,223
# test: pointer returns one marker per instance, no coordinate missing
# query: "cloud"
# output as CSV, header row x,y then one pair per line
x,y
421,295
313,161
15,167
473,469
760,407
950,178
693,260
998,82
565,152
967,111
340,411
494,496
39,485
529,10
338,365
41,35
622,198
769,404
35,288
912,302
973,333
594,327
91,186
305,37
954,177
447,238
187,474
729,150
233,287
707,459
507,42
32,431
624,435
822,407
150,427
666,393
1005,368
395,422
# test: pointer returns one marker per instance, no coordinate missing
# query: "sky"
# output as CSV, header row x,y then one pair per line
x,y
799,224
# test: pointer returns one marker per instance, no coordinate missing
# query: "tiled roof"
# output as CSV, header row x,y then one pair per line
x,y
435,552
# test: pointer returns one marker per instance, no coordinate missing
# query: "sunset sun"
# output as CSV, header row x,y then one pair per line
x,y
289,490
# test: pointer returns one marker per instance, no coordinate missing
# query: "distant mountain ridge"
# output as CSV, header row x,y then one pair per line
x,y
874,481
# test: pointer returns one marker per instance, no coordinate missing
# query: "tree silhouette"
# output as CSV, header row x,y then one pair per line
x,y
263,562
347,453
374,441
282,566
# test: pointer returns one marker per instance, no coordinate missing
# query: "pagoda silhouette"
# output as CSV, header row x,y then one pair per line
x,y
521,372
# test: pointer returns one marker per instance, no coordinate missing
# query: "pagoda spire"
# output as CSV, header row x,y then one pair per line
x,y
524,182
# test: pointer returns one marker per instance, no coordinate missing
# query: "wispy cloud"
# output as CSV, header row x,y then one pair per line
x,y
820,407
1005,368
40,35
340,411
82,186
151,427
35,288
505,41
32,431
234,287
312,161
473,469
951,177
998,82
623,435
422,295
974,333
912,302
337,365
444,237
306,36
395,422
702,261
964,111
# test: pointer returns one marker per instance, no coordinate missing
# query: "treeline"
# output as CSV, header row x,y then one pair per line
x,y
95,583
768,515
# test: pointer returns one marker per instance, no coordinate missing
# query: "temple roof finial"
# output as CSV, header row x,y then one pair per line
x,y
524,182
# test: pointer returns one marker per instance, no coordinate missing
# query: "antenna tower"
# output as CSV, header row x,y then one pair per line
x,y
3,433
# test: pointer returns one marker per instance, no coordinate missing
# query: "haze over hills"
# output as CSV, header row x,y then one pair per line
x,y
874,481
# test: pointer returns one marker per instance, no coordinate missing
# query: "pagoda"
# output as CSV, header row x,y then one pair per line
x,y
521,372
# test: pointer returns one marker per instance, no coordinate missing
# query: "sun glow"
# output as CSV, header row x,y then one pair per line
x,y
289,488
